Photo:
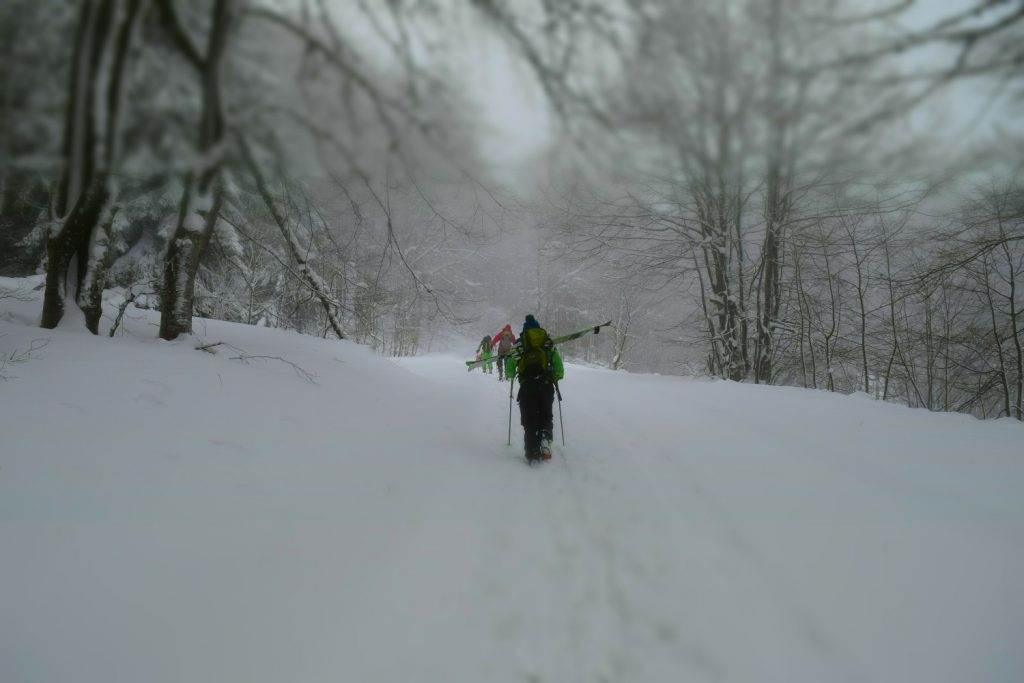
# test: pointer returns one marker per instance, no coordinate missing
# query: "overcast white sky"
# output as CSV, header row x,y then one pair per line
x,y
516,125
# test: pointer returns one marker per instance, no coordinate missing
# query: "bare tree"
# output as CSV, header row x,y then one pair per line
x,y
83,203
202,197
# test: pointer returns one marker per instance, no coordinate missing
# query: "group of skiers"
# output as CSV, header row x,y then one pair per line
x,y
538,366
500,343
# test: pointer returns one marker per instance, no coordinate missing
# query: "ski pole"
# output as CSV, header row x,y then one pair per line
x,y
561,424
511,381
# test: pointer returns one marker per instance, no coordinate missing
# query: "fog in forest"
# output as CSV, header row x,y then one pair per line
x,y
790,192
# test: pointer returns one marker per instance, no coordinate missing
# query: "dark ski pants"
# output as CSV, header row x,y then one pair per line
x,y
536,398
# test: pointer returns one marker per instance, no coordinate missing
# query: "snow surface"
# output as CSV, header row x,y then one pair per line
x,y
170,515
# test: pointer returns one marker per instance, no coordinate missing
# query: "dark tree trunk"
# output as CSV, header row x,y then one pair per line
x,y
72,211
195,224
182,264
776,210
771,279
70,244
89,150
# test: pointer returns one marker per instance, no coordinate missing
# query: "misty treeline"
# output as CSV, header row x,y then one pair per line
x,y
240,160
776,203
799,237
740,184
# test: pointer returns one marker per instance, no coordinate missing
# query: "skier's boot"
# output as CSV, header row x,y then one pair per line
x,y
532,446
545,450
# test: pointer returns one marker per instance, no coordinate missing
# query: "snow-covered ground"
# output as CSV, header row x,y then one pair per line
x,y
170,515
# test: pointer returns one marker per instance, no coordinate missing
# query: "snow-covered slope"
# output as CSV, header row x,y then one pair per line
x,y
170,515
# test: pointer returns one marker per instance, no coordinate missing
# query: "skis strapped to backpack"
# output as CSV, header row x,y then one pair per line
x,y
554,341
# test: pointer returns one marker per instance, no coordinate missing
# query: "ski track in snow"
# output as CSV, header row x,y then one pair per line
x,y
606,492
604,591
693,655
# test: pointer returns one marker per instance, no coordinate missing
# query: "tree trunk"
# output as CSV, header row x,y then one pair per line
x,y
622,331
72,211
96,257
90,297
91,144
203,196
1004,381
195,227
1014,326
68,243
771,279
770,292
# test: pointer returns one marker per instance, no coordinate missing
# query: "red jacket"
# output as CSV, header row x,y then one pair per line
x,y
497,338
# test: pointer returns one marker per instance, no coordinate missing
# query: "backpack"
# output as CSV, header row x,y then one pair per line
x,y
504,341
535,357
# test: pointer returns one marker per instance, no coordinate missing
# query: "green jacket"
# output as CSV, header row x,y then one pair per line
x,y
557,369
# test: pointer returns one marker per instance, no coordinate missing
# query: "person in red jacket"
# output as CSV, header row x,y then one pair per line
x,y
502,343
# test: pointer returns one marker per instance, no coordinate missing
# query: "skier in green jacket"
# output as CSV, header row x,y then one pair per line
x,y
539,367
484,351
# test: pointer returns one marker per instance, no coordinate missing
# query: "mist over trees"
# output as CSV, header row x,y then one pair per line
x,y
826,195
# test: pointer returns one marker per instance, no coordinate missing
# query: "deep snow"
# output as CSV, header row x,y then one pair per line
x,y
170,515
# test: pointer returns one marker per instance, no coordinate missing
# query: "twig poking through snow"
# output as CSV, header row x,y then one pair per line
x,y
245,358
123,306
16,357
207,347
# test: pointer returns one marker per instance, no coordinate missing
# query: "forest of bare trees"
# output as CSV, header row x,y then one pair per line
x,y
825,195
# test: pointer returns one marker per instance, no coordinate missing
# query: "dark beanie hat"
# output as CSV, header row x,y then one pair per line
x,y
530,323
